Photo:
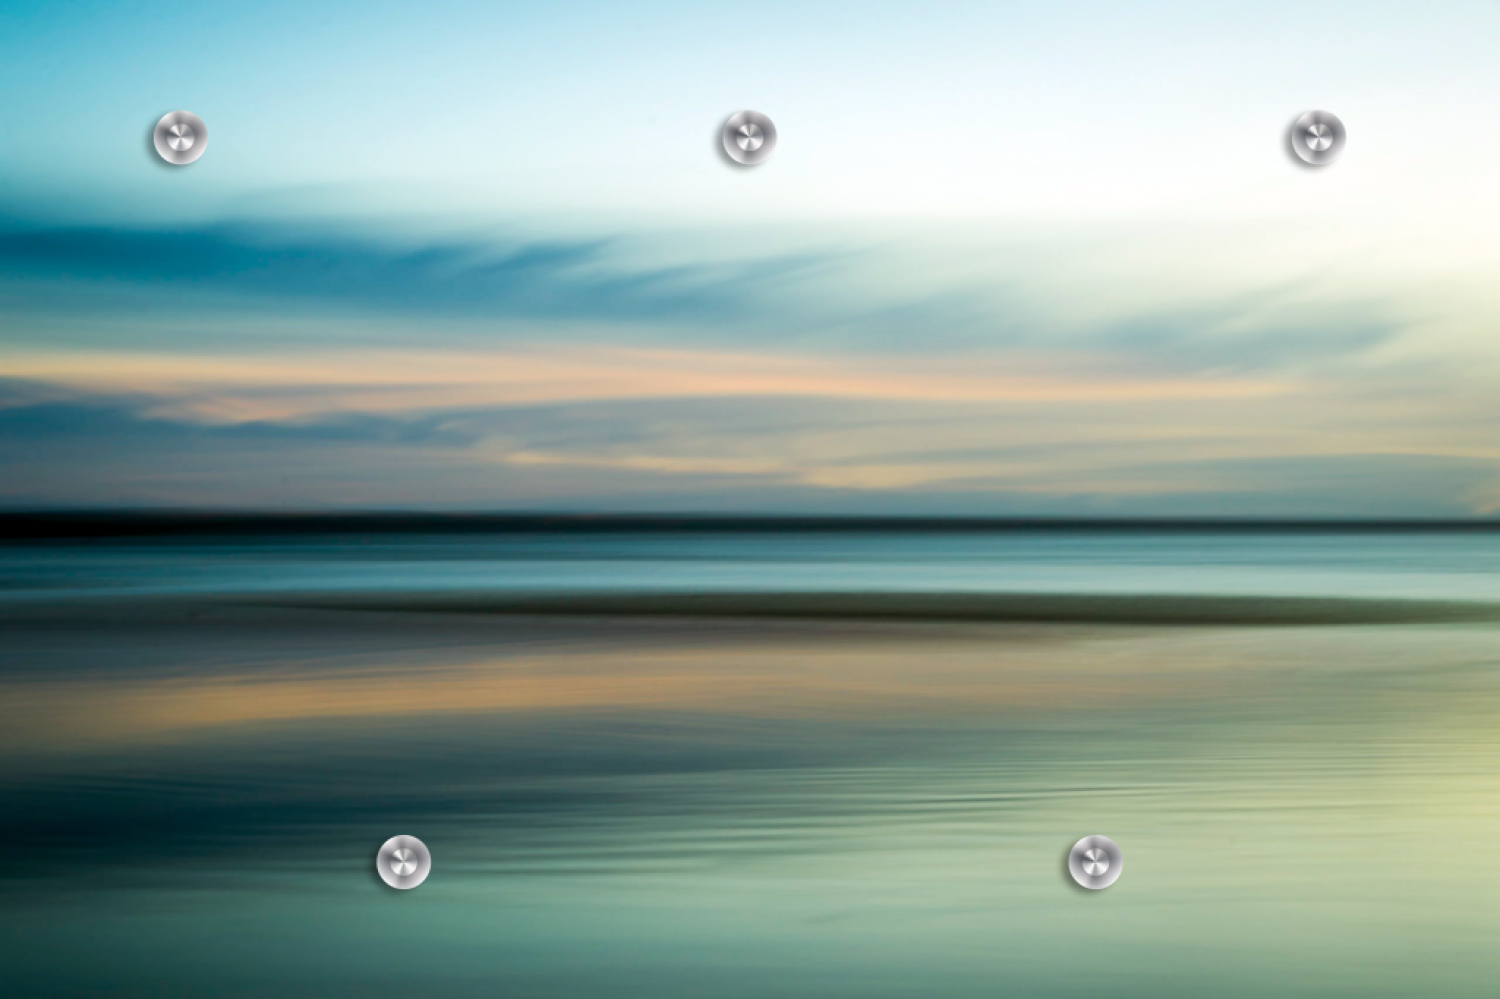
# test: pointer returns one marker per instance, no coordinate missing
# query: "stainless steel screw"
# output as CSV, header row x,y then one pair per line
x,y
749,138
180,137
1095,862
403,862
1318,138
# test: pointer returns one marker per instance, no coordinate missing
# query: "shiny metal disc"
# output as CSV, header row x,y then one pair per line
x,y
403,862
180,137
1318,138
1095,862
749,138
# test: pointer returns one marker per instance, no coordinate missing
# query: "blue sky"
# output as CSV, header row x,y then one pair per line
x,y
1006,258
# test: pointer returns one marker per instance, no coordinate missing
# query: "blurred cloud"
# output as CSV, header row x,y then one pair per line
x,y
732,453
332,364
107,422
580,279
256,386
836,290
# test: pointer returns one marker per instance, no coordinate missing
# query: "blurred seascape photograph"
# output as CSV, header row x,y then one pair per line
x,y
750,577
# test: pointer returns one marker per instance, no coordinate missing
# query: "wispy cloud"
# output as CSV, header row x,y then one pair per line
x,y
265,386
303,284
308,364
563,279
733,453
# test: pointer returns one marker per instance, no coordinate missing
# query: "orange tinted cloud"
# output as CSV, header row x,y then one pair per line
x,y
232,388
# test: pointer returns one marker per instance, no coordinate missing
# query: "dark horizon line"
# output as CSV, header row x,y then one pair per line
x,y
22,525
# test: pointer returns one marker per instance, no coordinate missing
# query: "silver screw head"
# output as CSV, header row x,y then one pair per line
x,y
180,137
1318,138
1095,862
749,138
403,862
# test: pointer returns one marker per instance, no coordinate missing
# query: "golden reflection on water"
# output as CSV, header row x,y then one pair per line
x,y
899,673
1347,673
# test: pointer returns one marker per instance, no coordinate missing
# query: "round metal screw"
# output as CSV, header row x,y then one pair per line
x,y
1318,138
180,137
403,862
749,138
1095,862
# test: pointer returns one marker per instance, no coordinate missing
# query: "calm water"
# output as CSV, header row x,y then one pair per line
x,y
194,778
1458,566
